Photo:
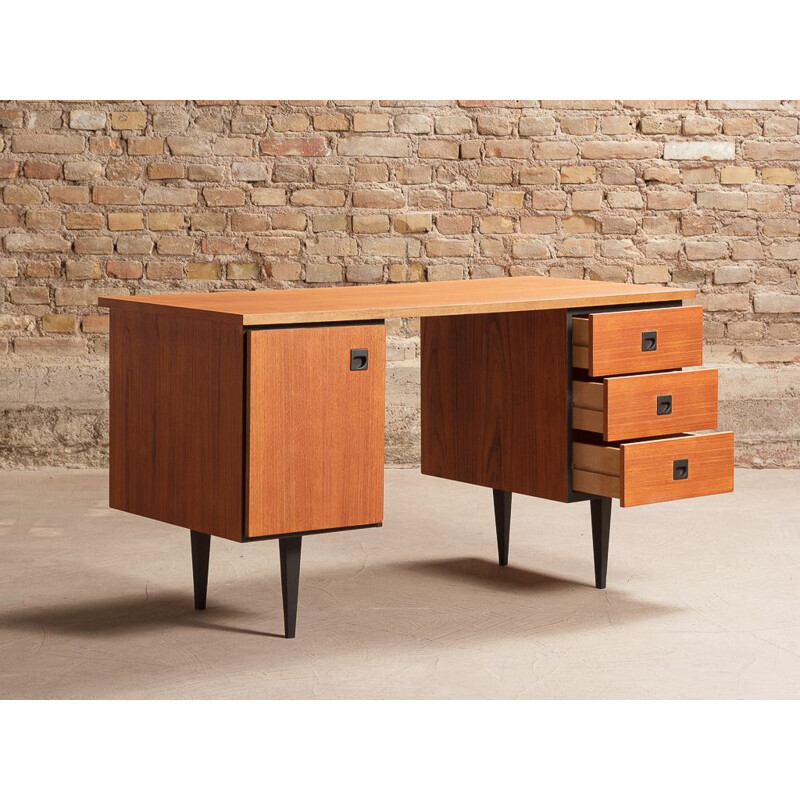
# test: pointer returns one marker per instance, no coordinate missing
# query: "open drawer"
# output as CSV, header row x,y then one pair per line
x,y
654,470
635,406
647,340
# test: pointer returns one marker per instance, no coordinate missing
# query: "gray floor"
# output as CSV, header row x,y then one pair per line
x,y
703,600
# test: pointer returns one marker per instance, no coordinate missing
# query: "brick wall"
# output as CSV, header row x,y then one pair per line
x,y
141,197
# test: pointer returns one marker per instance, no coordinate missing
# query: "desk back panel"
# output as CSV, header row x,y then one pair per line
x,y
315,428
494,401
176,420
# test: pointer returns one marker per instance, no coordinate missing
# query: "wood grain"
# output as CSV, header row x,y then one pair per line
x,y
615,340
580,356
494,401
641,472
580,331
385,301
628,405
596,458
647,468
176,421
595,483
587,419
315,429
588,394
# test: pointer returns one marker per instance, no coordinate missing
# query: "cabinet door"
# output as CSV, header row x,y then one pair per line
x,y
315,428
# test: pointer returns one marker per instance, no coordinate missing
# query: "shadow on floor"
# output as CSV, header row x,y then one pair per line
x,y
124,615
566,605
435,585
481,572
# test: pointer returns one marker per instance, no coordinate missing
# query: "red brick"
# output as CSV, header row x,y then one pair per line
x,y
129,270
8,169
95,324
59,144
105,145
116,195
222,247
123,171
8,218
69,194
141,146
224,197
10,117
164,270
165,171
36,243
94,245
37,219
41,346
312,146
377,198
22,194
85,221
41,170
453,224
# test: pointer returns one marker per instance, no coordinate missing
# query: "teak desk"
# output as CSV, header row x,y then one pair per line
x,y
258,415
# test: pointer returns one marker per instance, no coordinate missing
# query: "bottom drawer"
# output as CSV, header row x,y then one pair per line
x,y
654,470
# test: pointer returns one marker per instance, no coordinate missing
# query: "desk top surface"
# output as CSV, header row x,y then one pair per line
x,y
383,301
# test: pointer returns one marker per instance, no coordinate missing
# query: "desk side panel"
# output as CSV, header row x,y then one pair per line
x,y
494,401
176,436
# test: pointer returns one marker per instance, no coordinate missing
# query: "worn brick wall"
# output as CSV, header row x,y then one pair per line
x,y
144,196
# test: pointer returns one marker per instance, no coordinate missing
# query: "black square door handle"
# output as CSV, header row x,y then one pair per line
x,y
359,359
680,469
649,341
663,405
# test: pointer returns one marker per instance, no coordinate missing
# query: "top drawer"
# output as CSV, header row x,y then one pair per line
x,y
620,342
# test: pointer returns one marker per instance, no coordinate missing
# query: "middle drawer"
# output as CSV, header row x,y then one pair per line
x,y
657,404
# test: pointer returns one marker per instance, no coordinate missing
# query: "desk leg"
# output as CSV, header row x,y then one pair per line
x,y
290,580
502,522
601,530
201,544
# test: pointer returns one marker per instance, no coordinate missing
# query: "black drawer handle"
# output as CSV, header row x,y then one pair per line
x,y
663,405
359,359
680,469
649,341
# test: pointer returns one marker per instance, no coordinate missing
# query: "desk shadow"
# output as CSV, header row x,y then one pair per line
x,y
481,572
579,604
122,616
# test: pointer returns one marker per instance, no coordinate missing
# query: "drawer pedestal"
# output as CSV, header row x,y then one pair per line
x,y
503,407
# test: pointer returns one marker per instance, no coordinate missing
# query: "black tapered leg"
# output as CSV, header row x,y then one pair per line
x,y
290,581
502,522
601,529
201,544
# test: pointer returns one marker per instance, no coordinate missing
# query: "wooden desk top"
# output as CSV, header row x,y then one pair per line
x,y
383,301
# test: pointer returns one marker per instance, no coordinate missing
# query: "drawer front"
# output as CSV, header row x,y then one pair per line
x,y
636,406
656,470
621,342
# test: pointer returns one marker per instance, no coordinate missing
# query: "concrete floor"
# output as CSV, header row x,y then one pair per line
x,y
703,600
